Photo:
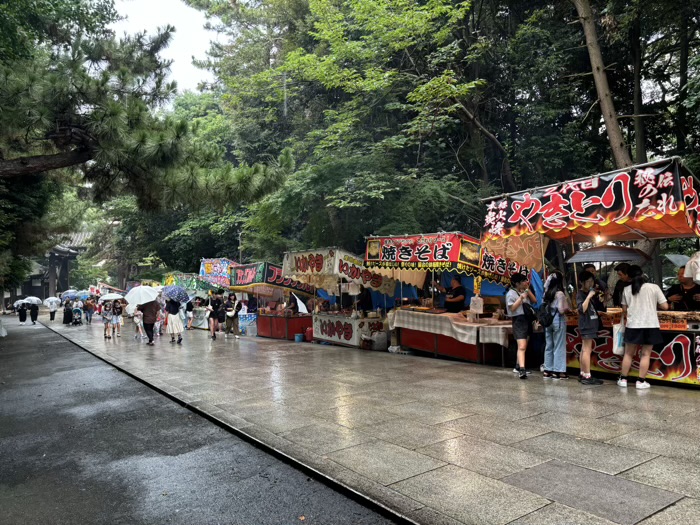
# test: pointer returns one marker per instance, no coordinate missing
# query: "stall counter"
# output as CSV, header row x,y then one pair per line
x,y
282,327
343,330
677,360
448,334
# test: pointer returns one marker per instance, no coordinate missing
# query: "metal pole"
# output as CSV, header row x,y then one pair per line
x,y
544,266
573,249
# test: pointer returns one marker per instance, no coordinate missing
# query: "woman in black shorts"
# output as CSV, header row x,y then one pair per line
x,y
639,304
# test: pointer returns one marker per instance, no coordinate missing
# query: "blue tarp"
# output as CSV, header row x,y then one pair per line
x,y
537,286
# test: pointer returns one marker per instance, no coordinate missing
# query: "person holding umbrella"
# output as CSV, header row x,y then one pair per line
x,y
150,314
68,312
52,303
34,312
117,310
107,318
174,322
22,312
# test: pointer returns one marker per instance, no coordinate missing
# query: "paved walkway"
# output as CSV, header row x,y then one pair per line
x,y
82,443
437,441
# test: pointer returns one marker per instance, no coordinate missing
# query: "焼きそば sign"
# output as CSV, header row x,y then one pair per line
x,y
438,251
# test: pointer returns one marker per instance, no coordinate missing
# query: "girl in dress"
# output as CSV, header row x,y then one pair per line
x,y
138,321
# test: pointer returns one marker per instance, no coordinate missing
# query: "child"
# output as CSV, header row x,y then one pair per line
x,y
522,327
138,321
158,327
588,308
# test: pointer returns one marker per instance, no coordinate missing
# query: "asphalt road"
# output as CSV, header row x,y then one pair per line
x,y
82,443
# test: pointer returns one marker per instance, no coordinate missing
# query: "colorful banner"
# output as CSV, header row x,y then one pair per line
x,y
189,281
324,268
248,274
439,251
262,275
618,201
217,271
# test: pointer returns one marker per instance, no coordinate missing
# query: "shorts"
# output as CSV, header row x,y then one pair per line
x,y
522,328
589,334
643,336
190,315
106,320
116,319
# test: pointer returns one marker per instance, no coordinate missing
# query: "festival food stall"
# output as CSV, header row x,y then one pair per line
x,y
413,258
340,273
265,281
652,201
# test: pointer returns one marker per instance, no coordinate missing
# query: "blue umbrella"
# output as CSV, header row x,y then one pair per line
x,y
176,293
69,295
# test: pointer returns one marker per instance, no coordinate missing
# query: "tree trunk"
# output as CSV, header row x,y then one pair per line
x,y
617,142
681,112
41,163
640,150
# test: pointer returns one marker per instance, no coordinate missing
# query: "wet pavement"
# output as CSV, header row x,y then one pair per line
x,y
437,441
83,443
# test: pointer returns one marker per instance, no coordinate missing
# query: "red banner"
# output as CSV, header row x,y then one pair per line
x,y
619,199
435,251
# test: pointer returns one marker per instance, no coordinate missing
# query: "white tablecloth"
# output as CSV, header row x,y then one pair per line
x,y
451,325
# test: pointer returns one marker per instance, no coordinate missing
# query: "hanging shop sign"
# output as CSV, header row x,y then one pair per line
x,y
188,281
619,201
217,271
265,274
324,268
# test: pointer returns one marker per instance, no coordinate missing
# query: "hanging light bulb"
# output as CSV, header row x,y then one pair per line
x,y
598,238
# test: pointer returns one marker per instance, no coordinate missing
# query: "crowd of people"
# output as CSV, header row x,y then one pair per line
x,y
639,299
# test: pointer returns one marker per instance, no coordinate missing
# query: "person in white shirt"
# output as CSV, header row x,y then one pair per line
x,y
639,305
518,295
53,306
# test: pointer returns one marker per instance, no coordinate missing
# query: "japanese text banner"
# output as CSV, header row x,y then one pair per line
x,y
622,198
432,251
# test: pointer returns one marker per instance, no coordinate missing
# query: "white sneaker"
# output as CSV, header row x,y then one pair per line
x,y
238,337
643,385
622,382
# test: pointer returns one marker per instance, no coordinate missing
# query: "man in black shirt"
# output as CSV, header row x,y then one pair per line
x,y
685,296
454,302
215,304
622,270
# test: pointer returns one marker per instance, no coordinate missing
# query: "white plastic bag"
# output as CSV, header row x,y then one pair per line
x,y
476,305
619,338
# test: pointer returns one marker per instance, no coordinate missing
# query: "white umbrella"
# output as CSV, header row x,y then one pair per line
x,y
111,297
141,295
32,300
17,303
49,300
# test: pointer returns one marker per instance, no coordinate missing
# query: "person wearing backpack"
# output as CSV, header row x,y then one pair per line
x,y
517,296
553,319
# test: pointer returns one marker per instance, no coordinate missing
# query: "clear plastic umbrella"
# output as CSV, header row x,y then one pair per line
x,y
49,300
18,302
32,300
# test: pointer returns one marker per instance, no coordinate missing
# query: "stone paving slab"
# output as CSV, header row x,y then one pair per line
x,y
425,437
609,497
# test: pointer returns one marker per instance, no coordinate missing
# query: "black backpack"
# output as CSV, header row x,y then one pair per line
x,y
544,315
530,312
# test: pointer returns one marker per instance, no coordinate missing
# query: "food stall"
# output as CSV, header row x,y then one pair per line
x,y
265,281
413,258
340,273
653,201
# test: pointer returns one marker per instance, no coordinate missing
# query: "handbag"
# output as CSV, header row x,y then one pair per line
x,y
618,341
231,314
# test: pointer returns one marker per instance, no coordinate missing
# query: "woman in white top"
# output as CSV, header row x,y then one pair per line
x,y
639,305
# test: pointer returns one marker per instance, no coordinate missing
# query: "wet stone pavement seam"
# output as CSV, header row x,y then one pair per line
x,y
434,440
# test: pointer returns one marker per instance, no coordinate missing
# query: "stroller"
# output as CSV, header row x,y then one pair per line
x,y
77,317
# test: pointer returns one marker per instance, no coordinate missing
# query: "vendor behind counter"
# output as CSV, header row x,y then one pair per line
x,y
684,296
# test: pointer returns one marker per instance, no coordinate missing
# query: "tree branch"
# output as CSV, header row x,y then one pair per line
x,y
39,163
